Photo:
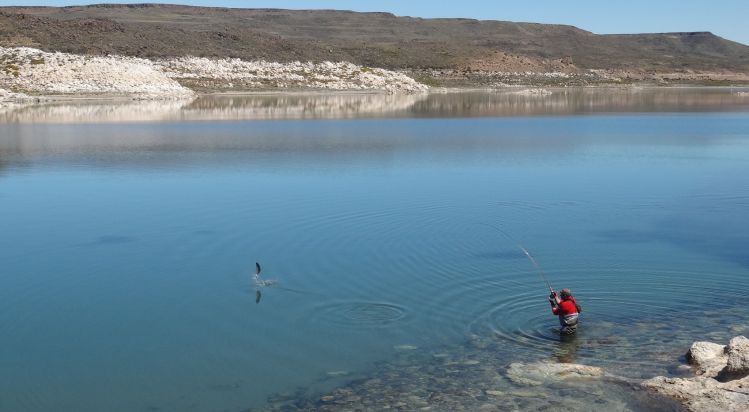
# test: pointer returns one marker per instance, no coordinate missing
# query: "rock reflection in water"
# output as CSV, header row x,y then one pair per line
x,y
94,111
303,106
215,107
505,102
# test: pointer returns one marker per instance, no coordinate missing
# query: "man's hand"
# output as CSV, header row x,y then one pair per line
x,y
552,295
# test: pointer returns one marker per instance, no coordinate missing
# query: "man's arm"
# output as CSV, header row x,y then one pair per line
x,y
554,301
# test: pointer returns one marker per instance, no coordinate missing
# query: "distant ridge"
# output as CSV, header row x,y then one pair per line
x,y
371,39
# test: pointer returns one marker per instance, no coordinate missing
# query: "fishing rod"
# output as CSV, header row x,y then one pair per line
x,y
525,252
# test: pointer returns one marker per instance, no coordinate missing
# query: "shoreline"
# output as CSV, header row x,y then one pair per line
x,y
709,377
28,74
300,104
114,97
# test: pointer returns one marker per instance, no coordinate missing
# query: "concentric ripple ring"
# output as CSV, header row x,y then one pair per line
x,y
360,313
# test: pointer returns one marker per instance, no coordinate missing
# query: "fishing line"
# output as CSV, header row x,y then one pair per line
x,y
259,283
525,252
301,292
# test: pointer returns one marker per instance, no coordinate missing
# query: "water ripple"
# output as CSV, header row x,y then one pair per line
x,y
359,314
625,306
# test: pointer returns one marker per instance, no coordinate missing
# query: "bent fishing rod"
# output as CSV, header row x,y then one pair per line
x,y
525,252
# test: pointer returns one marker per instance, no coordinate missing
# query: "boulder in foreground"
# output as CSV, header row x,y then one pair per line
x,y
723,383
737,353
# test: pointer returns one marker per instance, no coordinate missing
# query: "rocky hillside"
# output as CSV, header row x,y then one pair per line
x,y
367,39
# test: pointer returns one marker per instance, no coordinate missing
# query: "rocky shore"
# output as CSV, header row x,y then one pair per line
x,y
33,71
25,70
232,74
473,377
7,96
574,77
722,381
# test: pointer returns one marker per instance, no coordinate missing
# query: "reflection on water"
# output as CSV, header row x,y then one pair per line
x,y
128,251
351,144
358,105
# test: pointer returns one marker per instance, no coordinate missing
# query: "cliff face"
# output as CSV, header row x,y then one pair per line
x,y
371,39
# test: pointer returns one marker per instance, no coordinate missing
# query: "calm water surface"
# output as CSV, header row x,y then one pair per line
x,y
127,249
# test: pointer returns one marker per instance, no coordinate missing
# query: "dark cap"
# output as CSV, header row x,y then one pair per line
x,y
565,293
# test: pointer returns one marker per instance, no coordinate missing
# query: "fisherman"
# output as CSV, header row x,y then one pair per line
x,y
567,309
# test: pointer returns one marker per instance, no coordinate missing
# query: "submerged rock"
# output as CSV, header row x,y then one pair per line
x,y
539,373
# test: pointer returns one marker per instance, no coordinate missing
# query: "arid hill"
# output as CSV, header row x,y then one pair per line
x,y
371,39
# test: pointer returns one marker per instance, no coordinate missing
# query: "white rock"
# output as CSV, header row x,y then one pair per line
x,y
62,73
709,357
737,352
258,74
8,96
10,100
702,393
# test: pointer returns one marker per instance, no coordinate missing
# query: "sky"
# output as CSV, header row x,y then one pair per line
x,y
726,18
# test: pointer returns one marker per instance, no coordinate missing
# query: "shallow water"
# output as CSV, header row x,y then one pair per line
x,y
128,248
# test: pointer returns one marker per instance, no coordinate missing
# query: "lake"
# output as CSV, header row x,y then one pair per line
x,y
130,232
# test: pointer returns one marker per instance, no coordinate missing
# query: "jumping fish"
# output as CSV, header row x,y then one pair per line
x,y
259,282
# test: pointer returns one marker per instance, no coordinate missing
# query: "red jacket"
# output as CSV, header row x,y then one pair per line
x,y
565,307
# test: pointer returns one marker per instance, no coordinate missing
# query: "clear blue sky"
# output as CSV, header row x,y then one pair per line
x,y
726,18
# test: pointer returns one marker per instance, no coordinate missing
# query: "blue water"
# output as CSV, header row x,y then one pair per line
x,y
127,249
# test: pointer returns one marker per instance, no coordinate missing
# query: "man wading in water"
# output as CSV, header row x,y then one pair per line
x,y
567,309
